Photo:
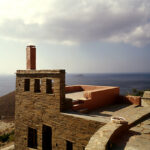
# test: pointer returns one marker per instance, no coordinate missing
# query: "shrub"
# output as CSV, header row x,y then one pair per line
x,y
136,92
4,138
7,137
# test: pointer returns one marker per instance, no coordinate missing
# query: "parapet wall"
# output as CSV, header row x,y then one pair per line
x,y
129,99
95,96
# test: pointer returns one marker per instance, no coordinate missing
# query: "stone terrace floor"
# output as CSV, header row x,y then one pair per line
x,y
104,114
75,95
137,138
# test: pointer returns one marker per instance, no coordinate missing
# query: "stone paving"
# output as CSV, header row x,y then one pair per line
x,y
137,138
104,114
141,140
118,137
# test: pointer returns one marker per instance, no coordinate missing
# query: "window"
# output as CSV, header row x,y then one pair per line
x,y
46,138
32,138
69,145
49,86
27,85
37,84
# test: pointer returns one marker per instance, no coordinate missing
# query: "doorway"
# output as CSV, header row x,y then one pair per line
x,y
46,138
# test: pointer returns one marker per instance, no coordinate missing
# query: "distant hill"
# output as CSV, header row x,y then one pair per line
x,y
7,105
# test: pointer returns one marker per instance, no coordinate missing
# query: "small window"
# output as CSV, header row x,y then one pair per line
x,y
49,86
32,138
27,85
37,85
69,145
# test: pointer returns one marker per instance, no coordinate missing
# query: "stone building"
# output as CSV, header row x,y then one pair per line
x,y
50,116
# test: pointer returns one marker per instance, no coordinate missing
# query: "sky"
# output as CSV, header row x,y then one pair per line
x,y
80,36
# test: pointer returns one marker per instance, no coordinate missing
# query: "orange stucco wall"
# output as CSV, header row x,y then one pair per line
x,y
71,89
97,96
135,100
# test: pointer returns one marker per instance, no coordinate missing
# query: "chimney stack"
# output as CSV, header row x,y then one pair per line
x,y
31,57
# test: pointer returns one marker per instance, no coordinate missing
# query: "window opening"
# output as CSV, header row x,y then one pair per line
x,y
32,138
27,85
37,85
49,86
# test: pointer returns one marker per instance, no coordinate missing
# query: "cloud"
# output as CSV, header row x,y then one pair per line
x,y
75,21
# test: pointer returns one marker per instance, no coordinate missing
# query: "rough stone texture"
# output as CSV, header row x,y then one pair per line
x,y
146,98
137,138
37,109
100,139
85,131
112,131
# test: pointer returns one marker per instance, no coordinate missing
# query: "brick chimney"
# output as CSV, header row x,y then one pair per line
x,y
31,57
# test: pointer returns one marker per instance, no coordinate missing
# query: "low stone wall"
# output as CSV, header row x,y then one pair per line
x,y
146,98
109,133
129,99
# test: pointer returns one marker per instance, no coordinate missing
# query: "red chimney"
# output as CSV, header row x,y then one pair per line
x,y
31,57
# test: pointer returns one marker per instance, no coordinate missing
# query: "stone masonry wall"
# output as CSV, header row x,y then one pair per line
x,y
37,109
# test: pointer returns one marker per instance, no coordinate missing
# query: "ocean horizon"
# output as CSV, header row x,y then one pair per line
x,y
126,81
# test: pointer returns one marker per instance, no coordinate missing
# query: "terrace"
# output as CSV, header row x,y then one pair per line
x,y
87,97
100,103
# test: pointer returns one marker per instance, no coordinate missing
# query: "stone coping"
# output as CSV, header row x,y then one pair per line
x,y
147,98
40,71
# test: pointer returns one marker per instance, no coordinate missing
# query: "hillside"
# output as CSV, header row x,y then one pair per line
x,y
7,105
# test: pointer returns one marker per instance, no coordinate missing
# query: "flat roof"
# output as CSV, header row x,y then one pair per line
x,y
104,114
75,95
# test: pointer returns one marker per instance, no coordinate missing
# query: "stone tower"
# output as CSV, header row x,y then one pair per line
x,y
43,116
39,94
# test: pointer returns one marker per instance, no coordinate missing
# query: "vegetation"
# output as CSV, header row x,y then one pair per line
x,y
136,92
8,137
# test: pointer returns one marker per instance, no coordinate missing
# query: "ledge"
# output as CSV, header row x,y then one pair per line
x,y
39,71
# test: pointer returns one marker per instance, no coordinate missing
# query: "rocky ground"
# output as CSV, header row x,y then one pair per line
x,y
7,109
6,126
6,132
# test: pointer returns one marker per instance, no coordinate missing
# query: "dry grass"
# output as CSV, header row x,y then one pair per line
x,y
7,105
7,111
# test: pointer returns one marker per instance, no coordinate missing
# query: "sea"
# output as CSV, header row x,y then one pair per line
x,y
126,81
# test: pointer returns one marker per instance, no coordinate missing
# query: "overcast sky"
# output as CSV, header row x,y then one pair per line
x,y
81,36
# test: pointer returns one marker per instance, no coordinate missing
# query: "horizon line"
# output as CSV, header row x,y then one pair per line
x,y
80,73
